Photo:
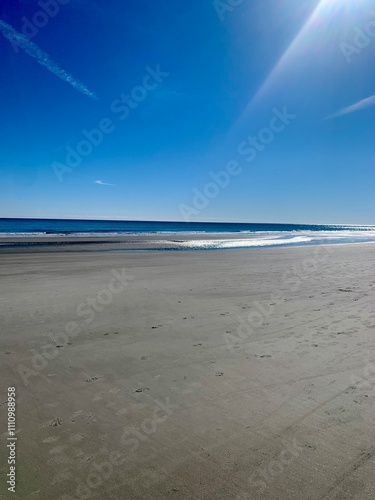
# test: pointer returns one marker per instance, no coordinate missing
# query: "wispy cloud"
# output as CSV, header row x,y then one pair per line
x,y
42,57
363,104
101,183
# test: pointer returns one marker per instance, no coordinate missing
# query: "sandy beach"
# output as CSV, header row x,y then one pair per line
x,y
242,374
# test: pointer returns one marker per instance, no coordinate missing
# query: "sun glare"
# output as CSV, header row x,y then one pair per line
x,y
319,30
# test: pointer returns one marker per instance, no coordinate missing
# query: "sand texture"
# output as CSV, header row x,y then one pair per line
x,y
244,374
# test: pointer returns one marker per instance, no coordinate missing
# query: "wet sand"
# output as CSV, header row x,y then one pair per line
x,y
108,243
243,374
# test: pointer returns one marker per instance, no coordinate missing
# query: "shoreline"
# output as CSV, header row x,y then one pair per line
x,y
152,243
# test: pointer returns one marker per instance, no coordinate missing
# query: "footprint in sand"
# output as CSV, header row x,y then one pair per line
x,y
57,450
76,438
51,405
124,411
61,477
51,439
56,422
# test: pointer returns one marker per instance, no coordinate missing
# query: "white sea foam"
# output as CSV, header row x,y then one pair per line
x,y
236,243
276,239
196,240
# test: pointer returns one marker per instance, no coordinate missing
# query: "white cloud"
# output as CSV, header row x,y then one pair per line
x,y
101,183
363,104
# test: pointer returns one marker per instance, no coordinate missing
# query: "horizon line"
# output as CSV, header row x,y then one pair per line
x,y
189,222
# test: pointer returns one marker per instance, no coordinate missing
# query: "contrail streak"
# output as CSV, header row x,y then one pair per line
x,y
363,104
42,57
101,183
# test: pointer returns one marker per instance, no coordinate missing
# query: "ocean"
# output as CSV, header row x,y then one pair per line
x,y
245,235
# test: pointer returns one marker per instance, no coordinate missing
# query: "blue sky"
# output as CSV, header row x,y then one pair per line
x,y
215,74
